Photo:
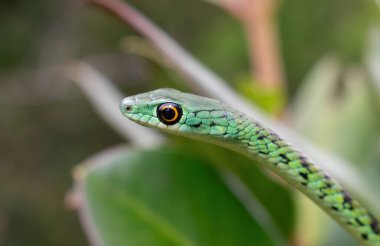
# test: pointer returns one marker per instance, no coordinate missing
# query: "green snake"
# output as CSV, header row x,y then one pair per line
x,y
212,121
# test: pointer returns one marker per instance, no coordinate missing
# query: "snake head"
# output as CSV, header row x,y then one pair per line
x,y
179,112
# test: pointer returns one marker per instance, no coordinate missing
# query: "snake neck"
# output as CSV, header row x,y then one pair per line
x,y
262,144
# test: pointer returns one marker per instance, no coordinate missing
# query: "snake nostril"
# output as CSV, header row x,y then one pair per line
x,y
127,105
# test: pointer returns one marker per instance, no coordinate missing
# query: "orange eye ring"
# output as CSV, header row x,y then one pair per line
x,y
169,113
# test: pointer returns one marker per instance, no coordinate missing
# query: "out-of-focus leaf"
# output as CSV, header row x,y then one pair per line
x,y
265,192
334,110
164,197
272,100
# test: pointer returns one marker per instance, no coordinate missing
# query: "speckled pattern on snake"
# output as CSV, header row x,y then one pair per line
x,y
212,121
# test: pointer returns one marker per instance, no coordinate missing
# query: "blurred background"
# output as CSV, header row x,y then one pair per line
x,y
327,58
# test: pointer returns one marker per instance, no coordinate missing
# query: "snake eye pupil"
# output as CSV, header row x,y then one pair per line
x,y
169,113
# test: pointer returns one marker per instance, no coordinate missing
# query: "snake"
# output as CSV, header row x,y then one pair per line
x,y
212,121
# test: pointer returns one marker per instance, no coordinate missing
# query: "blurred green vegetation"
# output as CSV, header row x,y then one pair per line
x,y
46,125
172,206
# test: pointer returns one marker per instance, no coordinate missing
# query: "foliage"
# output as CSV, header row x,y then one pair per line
x,y
46,126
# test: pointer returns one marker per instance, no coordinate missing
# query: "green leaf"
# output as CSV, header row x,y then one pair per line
x,y
164,197
272,100
333,108
262,187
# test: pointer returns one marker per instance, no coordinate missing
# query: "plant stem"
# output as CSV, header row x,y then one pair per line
x,y
258,19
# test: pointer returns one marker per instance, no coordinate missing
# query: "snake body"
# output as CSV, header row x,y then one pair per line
x,y
212,121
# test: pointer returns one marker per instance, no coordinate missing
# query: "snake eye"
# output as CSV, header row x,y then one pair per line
x,y
169,113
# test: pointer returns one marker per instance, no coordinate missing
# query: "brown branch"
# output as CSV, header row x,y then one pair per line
x,y
258,17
